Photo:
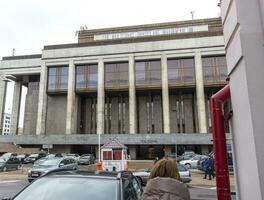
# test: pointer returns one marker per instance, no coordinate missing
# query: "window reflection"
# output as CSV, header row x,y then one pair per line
x,y
57,78
214,69
116,75
181,71
148,72
86,76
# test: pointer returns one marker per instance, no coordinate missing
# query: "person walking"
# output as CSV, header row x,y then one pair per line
x,y
205,167
164,182
211,168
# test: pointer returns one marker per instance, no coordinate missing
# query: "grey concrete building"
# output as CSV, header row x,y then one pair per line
x,y
148,85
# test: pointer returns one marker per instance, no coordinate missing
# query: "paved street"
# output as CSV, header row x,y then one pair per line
x,y
8,188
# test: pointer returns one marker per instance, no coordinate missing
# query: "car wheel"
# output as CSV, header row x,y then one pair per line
x,y
188,165
4,169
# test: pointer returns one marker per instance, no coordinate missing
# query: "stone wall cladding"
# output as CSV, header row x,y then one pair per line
x,y
56,114
31,108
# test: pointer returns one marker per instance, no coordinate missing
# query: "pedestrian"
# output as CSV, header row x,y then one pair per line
x,y
211,168
205,166
164,182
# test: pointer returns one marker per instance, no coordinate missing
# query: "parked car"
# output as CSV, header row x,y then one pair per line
x,y
68,185
33,157
41,160
9,163
73,155
186,156
192,163
86,159
49,165
6,156
21,157
185,175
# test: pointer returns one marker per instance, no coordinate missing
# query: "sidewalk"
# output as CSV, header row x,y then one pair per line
x,y
197,179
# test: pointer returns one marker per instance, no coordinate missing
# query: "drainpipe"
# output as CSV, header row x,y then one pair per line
x,y
219,140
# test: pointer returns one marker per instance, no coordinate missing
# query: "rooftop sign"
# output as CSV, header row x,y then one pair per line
x,y
155,32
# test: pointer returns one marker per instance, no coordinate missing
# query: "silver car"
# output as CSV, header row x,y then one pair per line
x,y
51,164
185,175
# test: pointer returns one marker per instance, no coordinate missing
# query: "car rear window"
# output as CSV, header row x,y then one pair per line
x,y
69,188
182,168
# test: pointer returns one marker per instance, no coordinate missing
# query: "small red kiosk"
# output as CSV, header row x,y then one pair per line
x,y
114,156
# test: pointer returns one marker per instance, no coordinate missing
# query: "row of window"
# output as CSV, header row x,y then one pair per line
x,y
147,73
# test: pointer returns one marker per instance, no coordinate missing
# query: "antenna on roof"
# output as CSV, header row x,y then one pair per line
x,y
13,51
192,13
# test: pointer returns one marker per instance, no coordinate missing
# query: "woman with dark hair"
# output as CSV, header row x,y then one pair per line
x,y
164,183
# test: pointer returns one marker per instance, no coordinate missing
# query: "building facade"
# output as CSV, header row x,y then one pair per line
x,y
6,124
147,85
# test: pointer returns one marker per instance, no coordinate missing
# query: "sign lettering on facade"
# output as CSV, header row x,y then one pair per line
x,y
155,32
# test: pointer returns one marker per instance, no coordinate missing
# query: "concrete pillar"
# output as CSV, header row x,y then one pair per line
x,y
132,96
42,103
15,108
165,94
167,150
100,97
3,85
71,98
132,152
200,93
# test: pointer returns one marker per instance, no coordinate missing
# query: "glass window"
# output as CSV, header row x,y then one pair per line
x,y
116,75
214,69
57,78
148,72
52,71
51,82
86,76
181,71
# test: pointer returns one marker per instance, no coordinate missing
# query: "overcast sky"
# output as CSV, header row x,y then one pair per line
x,y
28,25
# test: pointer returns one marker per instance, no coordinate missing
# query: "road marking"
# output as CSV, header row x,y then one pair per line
x,y
9,181
201,187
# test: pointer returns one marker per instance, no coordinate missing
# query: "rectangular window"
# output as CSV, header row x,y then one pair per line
x,y
57,78
148,73
116,75
86,76
214,69
181,71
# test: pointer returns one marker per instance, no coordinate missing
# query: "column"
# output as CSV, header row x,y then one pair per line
x,y
42,103
132,152
165,94
15,108
71,100
200,93
3,85
100,97
132,96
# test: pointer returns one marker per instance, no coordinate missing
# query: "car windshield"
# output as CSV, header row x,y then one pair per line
x,y
68,188
50,163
